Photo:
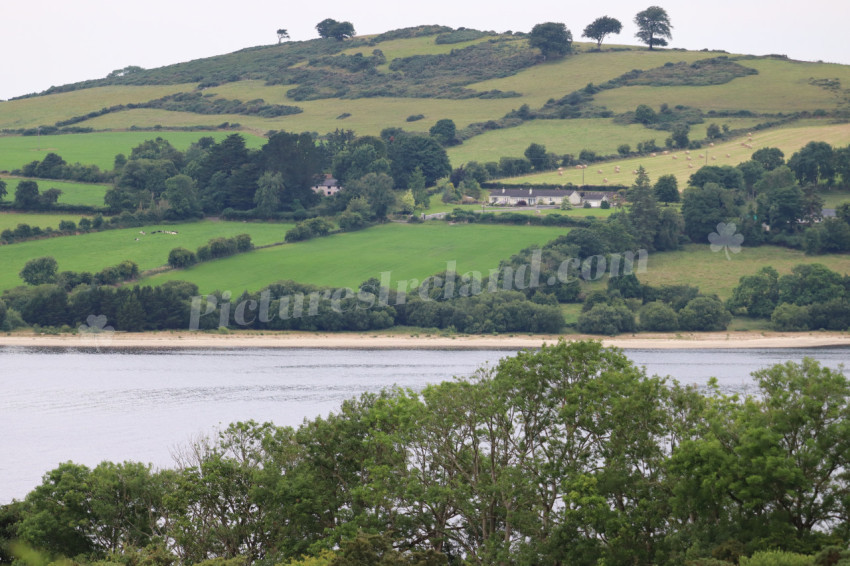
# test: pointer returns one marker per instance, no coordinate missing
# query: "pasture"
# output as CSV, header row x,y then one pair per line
x,y
779,86
714,274
10,220
98,148
94,251
47,110
789,139
600,135
85,194
407,251
559,78
368,116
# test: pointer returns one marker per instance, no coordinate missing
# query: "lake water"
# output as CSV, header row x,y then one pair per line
x,y
65,404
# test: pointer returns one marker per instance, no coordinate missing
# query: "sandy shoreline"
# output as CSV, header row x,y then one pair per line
x,y
201,340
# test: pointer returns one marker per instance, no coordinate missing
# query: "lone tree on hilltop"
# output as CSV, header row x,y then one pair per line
x,y
330,28
601,27
653,26
553,39
281,35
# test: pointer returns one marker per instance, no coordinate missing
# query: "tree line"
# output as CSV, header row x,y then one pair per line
x,y
566,455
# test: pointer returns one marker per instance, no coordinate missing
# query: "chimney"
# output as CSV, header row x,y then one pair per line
x,y
530,191
503,190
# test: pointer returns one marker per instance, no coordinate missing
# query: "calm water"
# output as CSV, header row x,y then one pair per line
x,y
64,404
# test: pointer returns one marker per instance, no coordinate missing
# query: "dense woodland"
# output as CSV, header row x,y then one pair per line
x,y
567,455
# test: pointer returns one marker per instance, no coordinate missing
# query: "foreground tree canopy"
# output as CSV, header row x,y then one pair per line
x,y
568,455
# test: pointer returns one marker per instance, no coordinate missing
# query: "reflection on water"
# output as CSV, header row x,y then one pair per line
x,y
64,404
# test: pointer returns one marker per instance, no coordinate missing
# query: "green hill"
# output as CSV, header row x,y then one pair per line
x,y
499,91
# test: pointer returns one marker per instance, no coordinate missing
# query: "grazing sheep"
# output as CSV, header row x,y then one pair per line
x,y
666,152
600,171
605,180
634,172
579,167
727,155
690,165
701,156
687,151
675,157
652,154
713,158
711,144
688,158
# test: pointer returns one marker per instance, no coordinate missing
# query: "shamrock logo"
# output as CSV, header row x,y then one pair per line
x,y
95,330
726,239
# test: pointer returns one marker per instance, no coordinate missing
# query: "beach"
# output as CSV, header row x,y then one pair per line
x,y
239,340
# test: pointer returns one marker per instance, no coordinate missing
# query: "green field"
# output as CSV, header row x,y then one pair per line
x,y
9,220
92,252
408,251
72,193
779,86
789,139
47,110
368,116
713,273
600,135
96,148
832,199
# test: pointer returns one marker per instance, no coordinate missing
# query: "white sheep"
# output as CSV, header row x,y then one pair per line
x,y
599,171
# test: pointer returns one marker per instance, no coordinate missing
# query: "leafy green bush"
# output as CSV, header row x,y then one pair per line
x,y
459,36
777,558
605,319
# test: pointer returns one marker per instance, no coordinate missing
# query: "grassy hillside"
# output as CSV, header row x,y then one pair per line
x,y
788,139
408,251
9,220
94,149
423,71
714,273
72,193
92,252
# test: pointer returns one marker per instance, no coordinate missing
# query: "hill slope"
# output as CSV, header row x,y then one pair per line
x,y
484,82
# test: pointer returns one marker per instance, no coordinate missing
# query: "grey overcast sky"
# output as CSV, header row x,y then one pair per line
x,y
54,42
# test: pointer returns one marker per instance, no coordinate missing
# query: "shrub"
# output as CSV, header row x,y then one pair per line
x,y
658,317
777,558
789,317
181,257
604,319
704,314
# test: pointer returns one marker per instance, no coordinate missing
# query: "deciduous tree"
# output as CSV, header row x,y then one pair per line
x,y
552,38
39,271
653,26
601,28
